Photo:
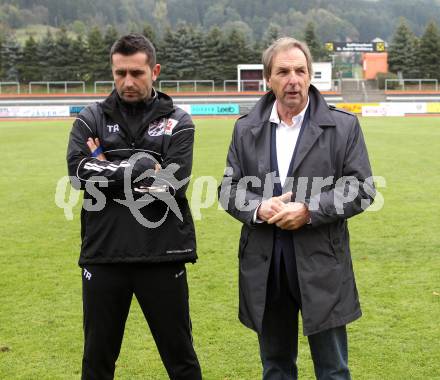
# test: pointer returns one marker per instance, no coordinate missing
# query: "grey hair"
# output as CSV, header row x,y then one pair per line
x,y
283,44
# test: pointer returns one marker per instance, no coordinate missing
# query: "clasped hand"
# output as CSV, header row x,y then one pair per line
x,y
284,213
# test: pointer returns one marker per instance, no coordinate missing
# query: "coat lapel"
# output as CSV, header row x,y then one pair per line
x,y
311,133
262,147
319,119
261,132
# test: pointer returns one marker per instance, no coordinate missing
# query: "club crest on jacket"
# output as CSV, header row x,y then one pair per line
x,y
157,127
162,126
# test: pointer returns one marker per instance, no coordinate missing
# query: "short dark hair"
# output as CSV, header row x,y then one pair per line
x,y
134,43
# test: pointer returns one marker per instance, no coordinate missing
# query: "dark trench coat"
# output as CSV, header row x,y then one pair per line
x,y
331,147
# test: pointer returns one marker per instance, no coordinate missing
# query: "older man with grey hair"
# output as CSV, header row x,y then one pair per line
x,y
303,157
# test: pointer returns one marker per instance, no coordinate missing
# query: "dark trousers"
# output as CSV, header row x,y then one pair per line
x,y
279,339
162,293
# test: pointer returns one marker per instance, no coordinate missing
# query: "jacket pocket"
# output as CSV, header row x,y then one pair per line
x,y
336,241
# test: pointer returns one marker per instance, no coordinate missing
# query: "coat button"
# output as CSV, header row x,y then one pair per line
x,y
336,241
265,257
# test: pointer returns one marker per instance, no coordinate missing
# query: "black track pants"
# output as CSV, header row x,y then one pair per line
x,y
162,292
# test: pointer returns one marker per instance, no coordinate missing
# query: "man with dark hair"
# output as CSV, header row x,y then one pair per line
x,y
134,43
292,164
132,154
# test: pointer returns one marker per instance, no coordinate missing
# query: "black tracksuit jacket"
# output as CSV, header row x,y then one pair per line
x,y
113,233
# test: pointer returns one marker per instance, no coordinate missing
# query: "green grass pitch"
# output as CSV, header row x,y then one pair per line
x,y
396,254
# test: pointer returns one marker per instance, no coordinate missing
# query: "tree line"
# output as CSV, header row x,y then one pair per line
x,y
415,57
336,20
184,53
187,52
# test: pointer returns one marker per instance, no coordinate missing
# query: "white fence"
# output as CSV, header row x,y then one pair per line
x,y
8,84
64,83
105,83
242,84
336,85
401,83
178,83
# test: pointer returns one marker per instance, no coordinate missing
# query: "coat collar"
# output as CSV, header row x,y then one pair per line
x,y
319,118
319,113
159,105
162,102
